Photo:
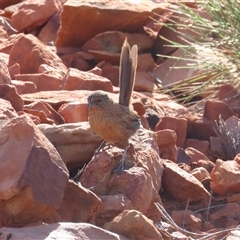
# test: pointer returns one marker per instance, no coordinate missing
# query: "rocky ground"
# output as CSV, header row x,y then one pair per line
x,y
179,181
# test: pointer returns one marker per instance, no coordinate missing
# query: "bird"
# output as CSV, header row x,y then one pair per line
x,y
116,122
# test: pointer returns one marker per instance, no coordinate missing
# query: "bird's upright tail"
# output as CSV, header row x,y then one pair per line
x,y
127,72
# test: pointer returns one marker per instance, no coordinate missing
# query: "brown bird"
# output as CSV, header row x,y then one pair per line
x,y
117,122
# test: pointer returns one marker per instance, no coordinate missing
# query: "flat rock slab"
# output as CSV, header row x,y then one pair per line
x,y
59,231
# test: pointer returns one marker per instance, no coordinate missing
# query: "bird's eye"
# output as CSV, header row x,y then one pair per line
x,y
99,100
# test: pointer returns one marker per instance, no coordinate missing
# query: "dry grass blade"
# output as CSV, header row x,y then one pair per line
x,y
230,138
203,236
211,47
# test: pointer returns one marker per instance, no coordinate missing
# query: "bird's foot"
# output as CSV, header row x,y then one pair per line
x,y
121,165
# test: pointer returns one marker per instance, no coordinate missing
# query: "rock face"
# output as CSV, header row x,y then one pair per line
x,y
225,177
143,174
135,225
35,54
31,15
75,142
185,186
53,54
66,230
33,161
78,19
79,205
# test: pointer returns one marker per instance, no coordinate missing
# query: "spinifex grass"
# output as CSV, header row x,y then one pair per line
x,y
210,45
229,137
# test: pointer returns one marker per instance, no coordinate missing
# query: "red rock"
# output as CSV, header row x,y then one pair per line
x,y
206,226
225,177
96,70
144,82
61,230
50,114
200,127
4,57
49,31
6,46
166,140
79,205
4,72
226,92
139,107
79,19
107,47
171,107
6,111
71,141
78,60
183,158
57,98
31,15
112,206
178,72
14,69
142,173
237,158
30,53
200,145
176,33
4,3
12,9
113,40
111,72
126,183
234,198
145,62
9,93
231,223
179,125
24,86
181,185
74,112
195,154
203,176
231,210
208,165
6,27
229,95
135,225
32,187
200,174
76,79
213,109
192,222
42,81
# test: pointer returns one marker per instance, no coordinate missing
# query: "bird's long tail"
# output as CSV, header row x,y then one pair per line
x,y
127,73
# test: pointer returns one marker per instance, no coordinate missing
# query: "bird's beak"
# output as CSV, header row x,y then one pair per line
x,y
89,104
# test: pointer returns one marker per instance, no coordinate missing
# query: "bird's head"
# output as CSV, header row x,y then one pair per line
x,y
98,99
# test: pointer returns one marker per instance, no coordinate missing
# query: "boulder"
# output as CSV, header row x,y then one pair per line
x,y
30,15
34,177
133,224
183,186
78,19
30,53
75,142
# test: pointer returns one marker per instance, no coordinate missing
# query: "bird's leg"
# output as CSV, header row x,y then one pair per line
x,y
102,146
121,165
